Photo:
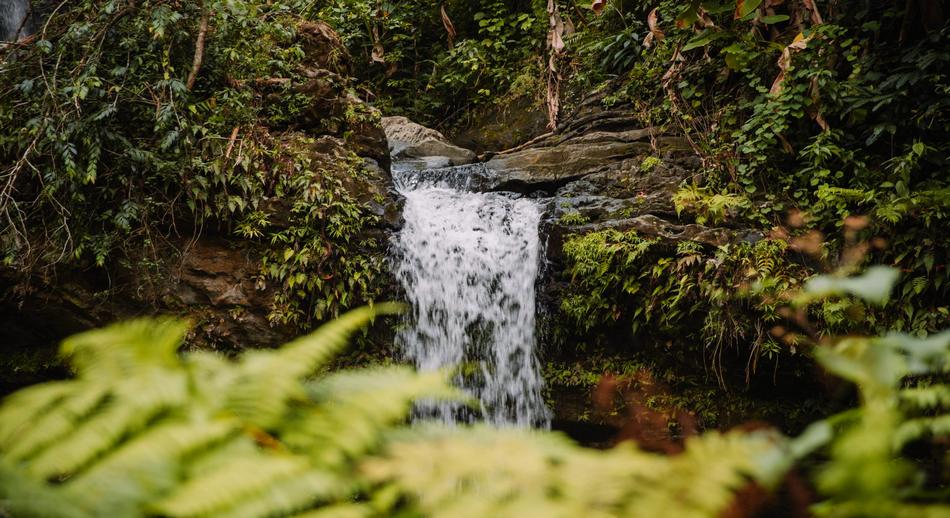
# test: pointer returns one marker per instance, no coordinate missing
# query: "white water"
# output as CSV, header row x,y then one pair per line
x,y
468,262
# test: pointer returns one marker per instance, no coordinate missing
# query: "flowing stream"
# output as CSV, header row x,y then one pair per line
x,y
468,262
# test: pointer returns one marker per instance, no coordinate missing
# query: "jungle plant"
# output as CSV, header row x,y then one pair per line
x,y
143,431
128,127
661,289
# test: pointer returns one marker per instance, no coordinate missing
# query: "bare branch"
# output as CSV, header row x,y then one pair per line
x,y
199,50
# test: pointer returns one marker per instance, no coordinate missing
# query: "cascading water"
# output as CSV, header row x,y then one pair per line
x,y
468,262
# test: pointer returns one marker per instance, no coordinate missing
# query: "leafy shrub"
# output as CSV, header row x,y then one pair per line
x,y
115,140
406,49
142,431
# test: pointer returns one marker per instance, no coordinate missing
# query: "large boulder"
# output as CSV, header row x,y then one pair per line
x,y
410,140
502,126
555,161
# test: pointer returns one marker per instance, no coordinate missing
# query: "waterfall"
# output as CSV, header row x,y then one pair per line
x,y
468,262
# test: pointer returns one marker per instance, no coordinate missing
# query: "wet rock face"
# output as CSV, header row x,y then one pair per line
x,y
597,172
415,141
498,128
557,162
16,22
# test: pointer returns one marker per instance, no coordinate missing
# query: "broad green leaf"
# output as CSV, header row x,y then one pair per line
x,y
744,7
777,18
873,286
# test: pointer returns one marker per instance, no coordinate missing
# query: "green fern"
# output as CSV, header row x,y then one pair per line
x,y
142,431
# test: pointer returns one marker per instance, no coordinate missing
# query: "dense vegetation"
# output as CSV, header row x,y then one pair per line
x,y
824,126
121,134
127,127
142,431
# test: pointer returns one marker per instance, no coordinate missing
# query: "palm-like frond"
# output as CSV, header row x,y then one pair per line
x,y
268,382
132,403
239,479
129,476
513,473
21,410
354,408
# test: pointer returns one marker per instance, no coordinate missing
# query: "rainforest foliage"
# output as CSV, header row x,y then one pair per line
x,y
822,125
822,128
144,431
127,126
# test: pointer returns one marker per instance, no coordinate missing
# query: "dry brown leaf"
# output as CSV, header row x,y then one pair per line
x,y
556,44
811,243
598,6
855,223
379,53
656,34
815,15
797,218
569,27
557,34
449,26
785,60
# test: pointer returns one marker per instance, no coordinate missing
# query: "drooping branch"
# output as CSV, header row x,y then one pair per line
x,y
199,50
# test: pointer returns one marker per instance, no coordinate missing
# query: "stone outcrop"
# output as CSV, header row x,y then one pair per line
x,y
502,126
415,141
557,161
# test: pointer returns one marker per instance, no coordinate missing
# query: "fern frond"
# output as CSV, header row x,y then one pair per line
x,y
921,427
358,407
134,402
305,355
926,398
122,348
24,497
340,511
58,421
510,473
148,464
289,495
268,381
20,410
239,479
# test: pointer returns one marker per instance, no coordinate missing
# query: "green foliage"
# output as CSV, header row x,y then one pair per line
x,y
655,286
107,155
325,260
492,56
865,459
710,208
515,474
573,218
144,431
852,121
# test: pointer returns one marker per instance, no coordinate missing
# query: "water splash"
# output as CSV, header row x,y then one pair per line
x,y
469,262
